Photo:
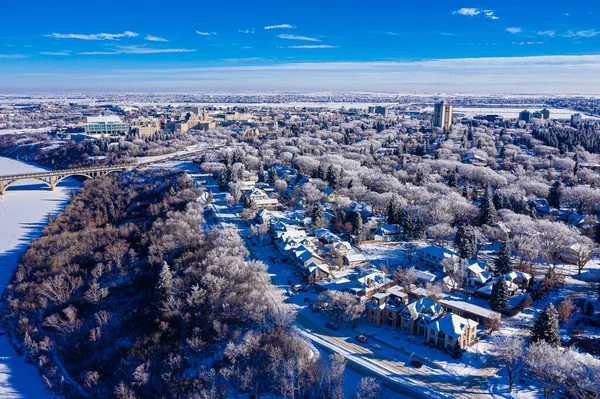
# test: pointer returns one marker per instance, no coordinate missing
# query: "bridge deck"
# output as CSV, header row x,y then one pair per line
x,y
61,172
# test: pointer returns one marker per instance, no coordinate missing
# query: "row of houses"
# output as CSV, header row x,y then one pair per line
x,y
445,324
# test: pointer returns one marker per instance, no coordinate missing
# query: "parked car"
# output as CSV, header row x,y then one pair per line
x,y
332,326
315,308
361,339
416,363
376,346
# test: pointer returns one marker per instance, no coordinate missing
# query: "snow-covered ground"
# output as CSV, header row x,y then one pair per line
x,y
19,131
23,214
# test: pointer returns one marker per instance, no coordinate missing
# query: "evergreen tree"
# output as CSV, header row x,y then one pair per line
x,y
357,223
465,242
545,327
457,351
487,210
452,179
393,211
332,177
555,194
318,218
164,285
499,299
502,262
589,309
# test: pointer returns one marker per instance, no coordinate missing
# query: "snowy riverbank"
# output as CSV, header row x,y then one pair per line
x,y
23,213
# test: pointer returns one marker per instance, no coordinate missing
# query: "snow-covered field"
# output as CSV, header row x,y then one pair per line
x,y
18,131
23,214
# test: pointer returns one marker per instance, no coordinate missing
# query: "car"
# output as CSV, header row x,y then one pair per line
x,y
361,339
315,308
416,364
376,346
332,326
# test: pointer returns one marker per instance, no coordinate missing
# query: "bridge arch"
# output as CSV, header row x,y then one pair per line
x,y
61,178
11,182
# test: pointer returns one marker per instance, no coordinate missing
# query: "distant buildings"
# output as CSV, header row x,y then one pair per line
x,y
442,115
545,114
575,119
378,110
525,116
106,125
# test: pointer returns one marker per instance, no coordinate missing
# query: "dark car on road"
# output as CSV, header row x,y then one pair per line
x,y
416,363
332,326
361,339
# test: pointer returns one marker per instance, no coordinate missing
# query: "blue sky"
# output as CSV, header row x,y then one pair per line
x,y
315,45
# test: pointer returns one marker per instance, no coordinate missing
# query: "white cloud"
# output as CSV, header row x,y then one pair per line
x,y
57,53
472,12
392,33
513,30
247,31
13,56
206,33
281,26
518,75
314,46
138,50
294,37
151,38
582,33
549,33
93,36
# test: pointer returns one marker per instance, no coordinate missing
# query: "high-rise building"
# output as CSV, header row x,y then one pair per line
x,y
442,115
546,113
524,116
575,119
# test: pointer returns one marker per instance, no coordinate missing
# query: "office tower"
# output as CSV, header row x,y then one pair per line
x,y
442,115
524,116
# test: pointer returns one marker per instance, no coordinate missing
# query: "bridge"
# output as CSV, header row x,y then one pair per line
x,y
52,178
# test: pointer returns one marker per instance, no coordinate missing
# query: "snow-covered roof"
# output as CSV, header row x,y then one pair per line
x,y
469,307
452,325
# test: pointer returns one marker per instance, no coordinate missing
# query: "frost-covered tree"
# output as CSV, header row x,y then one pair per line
x,y
545,327
510,353
164,285
465,242
369,388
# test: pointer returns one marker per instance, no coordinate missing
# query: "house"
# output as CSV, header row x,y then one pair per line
x,y
520,279
468,310
264,216
477,274
353,258
389,232
316,272
256,194
415,317
433,256
451,330
385,307
326,236
330,194
424,277
475,160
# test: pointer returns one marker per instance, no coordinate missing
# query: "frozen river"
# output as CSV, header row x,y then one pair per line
x,y
23,213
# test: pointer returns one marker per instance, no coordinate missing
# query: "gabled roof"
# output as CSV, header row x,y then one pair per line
x,y
452,325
